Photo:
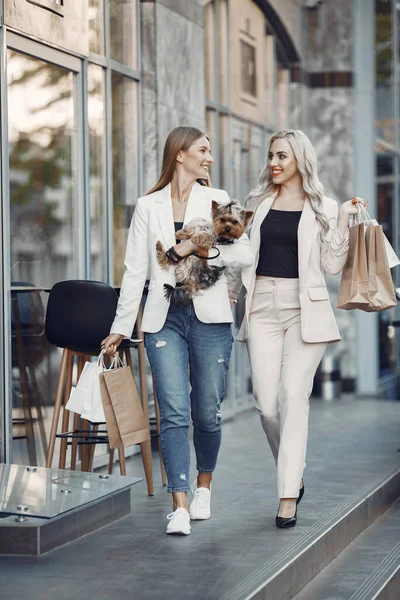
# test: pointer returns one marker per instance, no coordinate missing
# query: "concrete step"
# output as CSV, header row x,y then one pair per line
x,y
368,569
289,572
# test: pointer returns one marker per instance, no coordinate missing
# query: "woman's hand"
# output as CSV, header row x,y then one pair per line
x,y
352,207
110,344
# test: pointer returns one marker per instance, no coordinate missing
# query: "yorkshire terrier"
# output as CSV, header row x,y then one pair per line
x,y
193,273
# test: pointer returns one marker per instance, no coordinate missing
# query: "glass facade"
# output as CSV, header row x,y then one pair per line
x,y
387,148
71,178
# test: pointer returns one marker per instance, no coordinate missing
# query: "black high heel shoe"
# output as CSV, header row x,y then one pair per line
x,y
301,494
285,523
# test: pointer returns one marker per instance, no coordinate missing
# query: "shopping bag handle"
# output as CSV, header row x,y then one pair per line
x,y
362,214
116,362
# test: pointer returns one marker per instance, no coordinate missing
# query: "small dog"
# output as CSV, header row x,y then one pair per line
x,y
193,273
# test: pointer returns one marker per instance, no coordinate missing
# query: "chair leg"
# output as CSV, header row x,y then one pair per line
x,y
92,449
66,413
157,409
57,408
122,463
85,449
74,446
111,462
145,447
76,420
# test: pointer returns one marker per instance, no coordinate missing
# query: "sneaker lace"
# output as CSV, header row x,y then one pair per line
x,y
201,495
172,515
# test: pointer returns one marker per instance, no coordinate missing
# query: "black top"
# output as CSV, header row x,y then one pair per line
x,y
279,256
178,225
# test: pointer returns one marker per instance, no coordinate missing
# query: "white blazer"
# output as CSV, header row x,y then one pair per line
x,y
153,221
318,323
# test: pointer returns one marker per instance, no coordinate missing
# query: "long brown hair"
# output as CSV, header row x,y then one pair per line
x,y
180,138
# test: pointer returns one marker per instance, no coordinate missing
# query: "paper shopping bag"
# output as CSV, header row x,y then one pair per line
x,y
363,217
392,257
85,399
126,423
353,290
381,292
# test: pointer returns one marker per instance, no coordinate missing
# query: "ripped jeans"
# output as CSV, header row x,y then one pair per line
x,y
188,350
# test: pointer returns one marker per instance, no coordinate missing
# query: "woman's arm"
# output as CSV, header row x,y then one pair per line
x,y
336,242
234,278
237,255
136,269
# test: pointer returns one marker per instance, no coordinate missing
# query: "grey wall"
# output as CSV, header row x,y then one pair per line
x,y
173,74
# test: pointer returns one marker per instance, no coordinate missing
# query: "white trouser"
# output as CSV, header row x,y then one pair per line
x,y
283,369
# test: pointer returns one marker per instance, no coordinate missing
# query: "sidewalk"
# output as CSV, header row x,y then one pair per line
x,y
352,443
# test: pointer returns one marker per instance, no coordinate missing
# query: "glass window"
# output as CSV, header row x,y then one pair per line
x,y
123,27
43,230
41,127
96,26
248,68
98,215
125,162
384,148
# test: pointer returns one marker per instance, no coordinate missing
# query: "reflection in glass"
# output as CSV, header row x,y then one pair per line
x,y
123,36
125,162
96,26
41,177
98,222
40,125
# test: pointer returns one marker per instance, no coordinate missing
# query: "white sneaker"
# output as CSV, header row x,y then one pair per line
x,y
179,522
200,505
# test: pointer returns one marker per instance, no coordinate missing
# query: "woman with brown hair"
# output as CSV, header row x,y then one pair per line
x,y
195,338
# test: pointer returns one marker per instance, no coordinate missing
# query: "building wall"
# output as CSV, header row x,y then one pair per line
x,y
328,121
247,25
173,75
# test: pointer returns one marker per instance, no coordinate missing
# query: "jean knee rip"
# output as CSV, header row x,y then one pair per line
x,y
182,477
161,344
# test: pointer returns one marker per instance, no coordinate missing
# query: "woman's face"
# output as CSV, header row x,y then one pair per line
x,y
197,160
282,162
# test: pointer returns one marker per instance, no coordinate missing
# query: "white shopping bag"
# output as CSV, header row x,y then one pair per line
x,y
363,217
85,399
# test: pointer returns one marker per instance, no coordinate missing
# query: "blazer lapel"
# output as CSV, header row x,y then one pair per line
x,y
165,217
305,236
199,203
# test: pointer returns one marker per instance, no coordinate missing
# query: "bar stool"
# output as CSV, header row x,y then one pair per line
x,y
78,317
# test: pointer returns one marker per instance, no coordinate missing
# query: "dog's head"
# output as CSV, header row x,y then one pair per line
x,y
230,220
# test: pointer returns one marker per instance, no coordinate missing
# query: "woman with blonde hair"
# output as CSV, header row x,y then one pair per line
x,y
296,235
179,339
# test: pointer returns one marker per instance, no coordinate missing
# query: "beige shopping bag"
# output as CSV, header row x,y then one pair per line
x,y
353,290
381,292
126,423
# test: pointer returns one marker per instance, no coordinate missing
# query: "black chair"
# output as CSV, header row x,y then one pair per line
x,y
79,316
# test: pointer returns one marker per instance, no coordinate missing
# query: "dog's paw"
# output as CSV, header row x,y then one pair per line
x,y
162,258
204,240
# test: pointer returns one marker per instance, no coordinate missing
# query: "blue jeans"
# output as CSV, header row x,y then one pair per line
x,y
186,346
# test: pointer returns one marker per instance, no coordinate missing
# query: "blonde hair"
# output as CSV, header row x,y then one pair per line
x,y
180,138
307,166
